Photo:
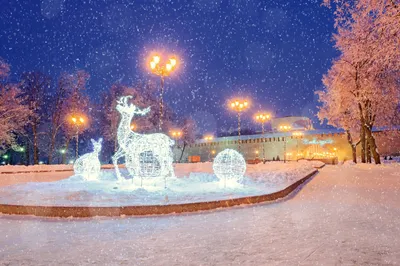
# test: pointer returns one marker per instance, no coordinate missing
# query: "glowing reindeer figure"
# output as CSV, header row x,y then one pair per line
x,y
133,145
88,165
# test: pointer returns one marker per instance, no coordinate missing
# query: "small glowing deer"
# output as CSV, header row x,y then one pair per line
x,y
132,144
88,165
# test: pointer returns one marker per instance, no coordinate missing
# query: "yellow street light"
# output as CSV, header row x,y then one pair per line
x,y
162,69
284,128
77,121
262,118
208,138
176,134
133,127
239,105
297,134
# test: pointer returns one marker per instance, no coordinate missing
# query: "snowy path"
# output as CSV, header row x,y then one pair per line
x,y
344,215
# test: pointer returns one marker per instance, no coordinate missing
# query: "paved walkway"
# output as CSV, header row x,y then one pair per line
x,y
344,215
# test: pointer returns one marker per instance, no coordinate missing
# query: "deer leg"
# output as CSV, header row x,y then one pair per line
x,y
116,156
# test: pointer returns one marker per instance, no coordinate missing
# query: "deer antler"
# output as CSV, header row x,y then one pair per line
x,y
142,112
124,100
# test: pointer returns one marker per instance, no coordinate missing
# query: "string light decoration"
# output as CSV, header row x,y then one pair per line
x,y
229,166
146,155
88,165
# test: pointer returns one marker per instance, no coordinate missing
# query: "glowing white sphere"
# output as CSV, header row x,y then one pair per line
x,y
229,165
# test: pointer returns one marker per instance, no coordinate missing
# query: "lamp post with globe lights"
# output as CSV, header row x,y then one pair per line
x,y
162,69
176,135
262,118
77,121
239,106
209,138
284,128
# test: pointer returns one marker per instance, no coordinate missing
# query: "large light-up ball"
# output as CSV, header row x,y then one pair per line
x,y
229,165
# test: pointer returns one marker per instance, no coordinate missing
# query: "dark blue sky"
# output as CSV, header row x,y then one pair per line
x,y
274,52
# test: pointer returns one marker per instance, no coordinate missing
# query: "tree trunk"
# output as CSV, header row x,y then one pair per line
x,y
354,153
368,153
27,153
52,146
35,144
363,143
372,144
183,150
353,146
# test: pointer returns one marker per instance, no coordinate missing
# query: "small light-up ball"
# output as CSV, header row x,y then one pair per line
x,y
229,165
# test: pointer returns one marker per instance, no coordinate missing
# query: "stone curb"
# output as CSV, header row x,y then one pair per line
x,y
61,211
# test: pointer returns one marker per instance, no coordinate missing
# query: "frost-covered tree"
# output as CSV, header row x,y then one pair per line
x,y
368,37
77,104
34,86
4,69
67,101
338,106
14,113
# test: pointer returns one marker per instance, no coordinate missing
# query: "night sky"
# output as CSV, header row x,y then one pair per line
x,y
274,52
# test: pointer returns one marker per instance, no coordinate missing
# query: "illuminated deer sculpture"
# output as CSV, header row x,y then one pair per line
x,y
133,145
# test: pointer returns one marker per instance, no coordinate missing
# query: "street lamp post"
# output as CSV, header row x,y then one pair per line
x,y
176,135
262,118
284,128
62,152
297,135
77,121
209,139
239,106
162,69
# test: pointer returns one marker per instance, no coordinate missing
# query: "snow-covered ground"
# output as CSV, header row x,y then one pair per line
x,y
195,183
346,215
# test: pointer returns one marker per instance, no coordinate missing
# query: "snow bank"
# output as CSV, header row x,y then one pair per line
x,y
194,183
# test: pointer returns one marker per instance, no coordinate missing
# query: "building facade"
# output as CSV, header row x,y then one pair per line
x,y
310,144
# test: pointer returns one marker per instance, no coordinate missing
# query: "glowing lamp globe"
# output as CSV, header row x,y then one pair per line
x,y
229,165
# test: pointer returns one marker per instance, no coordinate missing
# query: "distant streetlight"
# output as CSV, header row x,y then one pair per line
x,y
133,127
162,69
335,151
262,118
284,128
77,121
297,135
239,106
176,134
209,138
